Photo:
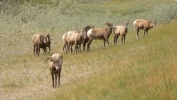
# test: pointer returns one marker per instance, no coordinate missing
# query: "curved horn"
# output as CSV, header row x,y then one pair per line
x,y
50,58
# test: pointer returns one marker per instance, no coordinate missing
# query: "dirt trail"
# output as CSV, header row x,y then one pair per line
x,y
38,90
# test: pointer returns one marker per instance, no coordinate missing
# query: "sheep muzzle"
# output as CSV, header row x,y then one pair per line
x,y
57,68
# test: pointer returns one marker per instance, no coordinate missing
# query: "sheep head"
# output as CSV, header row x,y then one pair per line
x,y
85,30
88,27
126,23
43,39
47,38
109,26
154,22
55,62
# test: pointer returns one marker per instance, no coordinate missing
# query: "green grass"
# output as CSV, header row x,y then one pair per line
x,y
141,69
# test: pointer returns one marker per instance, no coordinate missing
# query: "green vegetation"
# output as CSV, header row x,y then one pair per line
x,y
141,69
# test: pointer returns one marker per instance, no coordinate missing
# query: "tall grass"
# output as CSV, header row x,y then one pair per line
x,y
116,72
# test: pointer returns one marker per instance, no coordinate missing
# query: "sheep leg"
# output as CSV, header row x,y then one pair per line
x,y
59,77
80,47
34,50
84,46
137,31
124,39
56,75
115,39
76,47
106,39
71,47
88,44
45,51
107,42
37,50
104,42
67,48
64,47
52,80
144,33
147,32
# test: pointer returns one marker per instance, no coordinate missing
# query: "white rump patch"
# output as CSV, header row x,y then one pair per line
x,y
89,32
134,22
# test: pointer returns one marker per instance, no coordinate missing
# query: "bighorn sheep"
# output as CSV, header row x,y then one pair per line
x,y
75,37
38,40
65,42
120,31
86,29
100,33
55,66
41,41
143,24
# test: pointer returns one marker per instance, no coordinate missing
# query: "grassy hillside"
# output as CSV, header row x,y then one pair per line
x,y
140,69
143,69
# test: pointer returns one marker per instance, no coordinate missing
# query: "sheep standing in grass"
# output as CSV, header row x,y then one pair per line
x,y
100,33
143,24
48,42
38,41
55,66
75,38
85,30
65,42
41,41
120,31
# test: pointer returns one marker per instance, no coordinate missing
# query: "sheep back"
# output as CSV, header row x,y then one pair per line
x,y
142,24
74,36
37,39
97,33
120,30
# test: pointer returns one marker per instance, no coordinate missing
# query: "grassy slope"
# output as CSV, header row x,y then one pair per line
x,y
140,69
143,69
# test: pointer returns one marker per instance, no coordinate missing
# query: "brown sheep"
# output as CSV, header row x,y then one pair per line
x,y
48,39
38,40
65,42
55,66
143,24
120,31
75,38
100,33
86,29
41,41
